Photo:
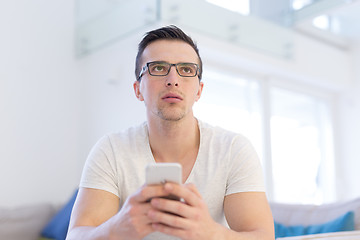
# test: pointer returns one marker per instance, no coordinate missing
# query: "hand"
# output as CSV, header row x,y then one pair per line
x,y
189,220
132,221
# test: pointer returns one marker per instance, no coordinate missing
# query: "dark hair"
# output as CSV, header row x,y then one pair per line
x,y
170,33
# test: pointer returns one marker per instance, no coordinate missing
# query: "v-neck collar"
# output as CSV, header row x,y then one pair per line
x,y
150,156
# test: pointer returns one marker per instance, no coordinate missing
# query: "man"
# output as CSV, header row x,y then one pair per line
x,y
221,172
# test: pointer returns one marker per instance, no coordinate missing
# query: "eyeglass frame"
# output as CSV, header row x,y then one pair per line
x,y
146,66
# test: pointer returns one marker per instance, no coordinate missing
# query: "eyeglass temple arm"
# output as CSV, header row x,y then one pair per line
x,y
142,72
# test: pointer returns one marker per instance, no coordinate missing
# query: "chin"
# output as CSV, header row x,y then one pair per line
x,y
171,116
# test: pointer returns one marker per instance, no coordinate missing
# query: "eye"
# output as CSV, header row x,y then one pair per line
x,y
159,68
187,69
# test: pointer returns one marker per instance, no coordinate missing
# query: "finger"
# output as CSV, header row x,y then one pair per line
x,y
170,206
136,210
145,193
168,219
193,188
143,208
177,232
183,192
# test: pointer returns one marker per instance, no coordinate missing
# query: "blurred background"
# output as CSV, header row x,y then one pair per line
x,y
285,73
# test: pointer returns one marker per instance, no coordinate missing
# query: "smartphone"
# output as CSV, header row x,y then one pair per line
x,y
160,173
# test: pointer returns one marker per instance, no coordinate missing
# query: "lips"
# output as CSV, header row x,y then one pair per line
x,y
172,96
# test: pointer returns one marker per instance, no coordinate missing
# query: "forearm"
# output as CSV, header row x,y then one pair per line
x,y
118,227
89,233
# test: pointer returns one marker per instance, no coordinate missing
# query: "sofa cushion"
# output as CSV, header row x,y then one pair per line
x,y
297,214
26,222
343,223
350,235
58,226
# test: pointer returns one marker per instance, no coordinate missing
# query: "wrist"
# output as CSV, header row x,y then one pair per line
x,y
110,230
219,232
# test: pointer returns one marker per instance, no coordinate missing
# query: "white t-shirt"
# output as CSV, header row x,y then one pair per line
x,y
226,164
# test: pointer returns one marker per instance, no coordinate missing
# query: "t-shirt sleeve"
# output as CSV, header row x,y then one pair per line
x,y
245,171
99,171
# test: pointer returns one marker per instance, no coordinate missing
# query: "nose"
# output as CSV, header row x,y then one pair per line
x,y
172,79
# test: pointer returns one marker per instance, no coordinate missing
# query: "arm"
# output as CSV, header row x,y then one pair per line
x,y
248,215
96,215
91,210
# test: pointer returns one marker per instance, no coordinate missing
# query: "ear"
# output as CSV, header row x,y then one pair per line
x,y
138,94
198,94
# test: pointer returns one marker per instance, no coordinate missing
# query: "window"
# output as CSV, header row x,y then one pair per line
x,y
299,4
300,133
331,23
322,22
328,23
299,137
232,103
242,7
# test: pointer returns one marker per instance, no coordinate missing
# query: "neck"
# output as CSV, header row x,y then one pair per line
x,y
174,141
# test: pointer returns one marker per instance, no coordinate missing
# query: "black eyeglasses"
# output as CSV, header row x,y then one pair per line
x,y
160,68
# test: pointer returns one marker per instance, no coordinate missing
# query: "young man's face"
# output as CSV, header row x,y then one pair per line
x,y
169,97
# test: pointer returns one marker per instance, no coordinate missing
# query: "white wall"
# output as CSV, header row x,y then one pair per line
x,y
54,107
40,102
111,104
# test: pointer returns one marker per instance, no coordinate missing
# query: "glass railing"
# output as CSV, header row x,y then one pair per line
x,y
100,23
220,23
315,8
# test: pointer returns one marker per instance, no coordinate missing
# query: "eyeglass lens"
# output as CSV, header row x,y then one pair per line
x,y
163,69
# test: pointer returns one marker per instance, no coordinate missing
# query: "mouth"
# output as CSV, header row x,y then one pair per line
x,y
172,96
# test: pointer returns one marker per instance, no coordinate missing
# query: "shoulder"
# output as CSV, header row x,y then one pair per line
x,y
216,133
137,131
129,136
